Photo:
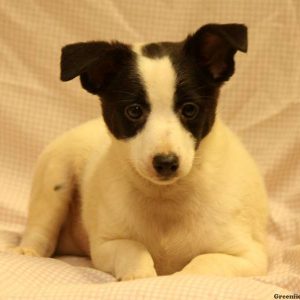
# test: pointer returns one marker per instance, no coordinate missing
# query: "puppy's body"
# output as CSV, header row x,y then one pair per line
x,y
174,223
197,215
167,187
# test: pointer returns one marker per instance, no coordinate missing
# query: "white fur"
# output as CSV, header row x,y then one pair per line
x,y
211,220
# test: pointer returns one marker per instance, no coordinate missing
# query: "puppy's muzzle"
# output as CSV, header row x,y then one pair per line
x,y
166,165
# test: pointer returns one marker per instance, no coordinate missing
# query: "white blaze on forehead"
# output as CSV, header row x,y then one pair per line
x,y
159,78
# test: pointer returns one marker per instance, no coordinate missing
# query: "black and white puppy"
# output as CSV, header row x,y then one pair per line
x,y
159,185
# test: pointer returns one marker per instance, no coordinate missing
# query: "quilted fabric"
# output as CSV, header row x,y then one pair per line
x,y
261,103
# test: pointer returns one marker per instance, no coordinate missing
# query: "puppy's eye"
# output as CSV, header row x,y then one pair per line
x,y
189,110
134,112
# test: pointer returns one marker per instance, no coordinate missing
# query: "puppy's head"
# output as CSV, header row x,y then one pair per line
x,y
159,100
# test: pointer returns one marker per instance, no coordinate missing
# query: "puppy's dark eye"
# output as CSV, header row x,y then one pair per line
x,y
189,110
134,112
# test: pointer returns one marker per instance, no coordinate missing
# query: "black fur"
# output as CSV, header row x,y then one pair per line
x,y
123,90
213,48
108,70
203,61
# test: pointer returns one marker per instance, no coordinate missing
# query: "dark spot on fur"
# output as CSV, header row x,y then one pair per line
x,y
57,187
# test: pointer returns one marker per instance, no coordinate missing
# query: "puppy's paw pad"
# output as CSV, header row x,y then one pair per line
x,y
137,274
23,251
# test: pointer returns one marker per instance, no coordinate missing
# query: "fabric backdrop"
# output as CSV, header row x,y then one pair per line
x,y
261,103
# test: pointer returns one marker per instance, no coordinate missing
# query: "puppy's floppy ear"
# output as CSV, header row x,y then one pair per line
x,y
213,47
95,62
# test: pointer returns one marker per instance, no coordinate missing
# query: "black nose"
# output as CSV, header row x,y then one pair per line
x,y
166,165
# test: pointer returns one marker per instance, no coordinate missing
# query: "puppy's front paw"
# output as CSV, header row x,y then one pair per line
x,y
136,273
27,251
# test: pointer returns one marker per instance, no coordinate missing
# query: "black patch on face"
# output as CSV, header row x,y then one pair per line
x,y
108,70
193,85
123,87
124,90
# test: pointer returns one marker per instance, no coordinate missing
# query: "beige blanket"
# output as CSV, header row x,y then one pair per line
x,y
261,103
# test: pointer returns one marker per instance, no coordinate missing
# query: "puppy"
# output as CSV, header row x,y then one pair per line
x,y
159,185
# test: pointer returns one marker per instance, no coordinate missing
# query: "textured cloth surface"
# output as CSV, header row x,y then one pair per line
x,y
261,103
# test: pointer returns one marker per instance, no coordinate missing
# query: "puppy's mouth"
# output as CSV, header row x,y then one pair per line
x,y
159,180
151,176
163,180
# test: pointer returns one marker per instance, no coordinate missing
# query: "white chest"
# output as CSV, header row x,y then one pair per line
x,y
174,234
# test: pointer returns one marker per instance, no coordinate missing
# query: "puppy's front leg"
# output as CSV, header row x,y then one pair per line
x,y
125,259
250,264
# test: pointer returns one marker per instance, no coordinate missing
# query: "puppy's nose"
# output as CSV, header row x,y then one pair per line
x,y
166,165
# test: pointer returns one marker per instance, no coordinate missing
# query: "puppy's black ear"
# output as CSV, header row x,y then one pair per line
x,y
214,45
95,62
